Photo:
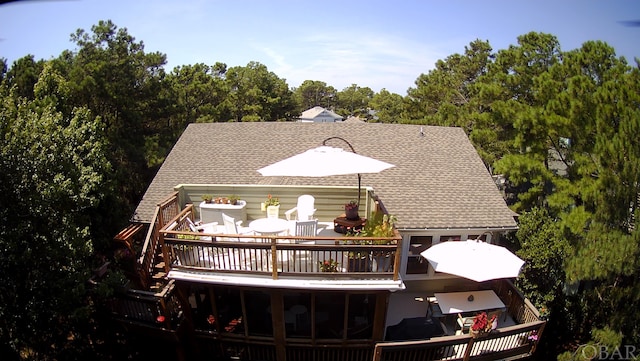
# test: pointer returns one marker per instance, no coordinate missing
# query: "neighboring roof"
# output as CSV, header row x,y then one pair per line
x,y
316,111
353,119
438,181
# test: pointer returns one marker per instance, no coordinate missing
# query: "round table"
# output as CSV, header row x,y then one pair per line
x,y
269,225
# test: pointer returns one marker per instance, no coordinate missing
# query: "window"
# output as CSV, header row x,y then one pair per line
x,y
201,309
229,305
416,264
258,307
361,314
482,237
329,315
297,314
306,315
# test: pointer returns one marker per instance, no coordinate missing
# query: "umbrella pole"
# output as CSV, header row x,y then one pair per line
x,y
359,177
324,142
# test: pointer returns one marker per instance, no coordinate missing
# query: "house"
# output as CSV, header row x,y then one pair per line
x,y
264,296
354,119
319,114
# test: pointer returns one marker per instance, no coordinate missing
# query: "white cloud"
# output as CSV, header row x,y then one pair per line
x,y
368,60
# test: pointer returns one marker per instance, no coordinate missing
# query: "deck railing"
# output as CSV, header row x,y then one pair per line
x,y
518,340
166,210
501,344
519,307
505,343
156,309
278,256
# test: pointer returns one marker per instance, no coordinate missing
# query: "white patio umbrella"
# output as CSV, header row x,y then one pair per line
x,y
325,161
473,259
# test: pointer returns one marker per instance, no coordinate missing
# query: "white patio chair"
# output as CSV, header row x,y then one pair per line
x,y
464,323
303,210
305,229
232,226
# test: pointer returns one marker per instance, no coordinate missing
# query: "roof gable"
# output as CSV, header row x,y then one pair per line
x,y
317,112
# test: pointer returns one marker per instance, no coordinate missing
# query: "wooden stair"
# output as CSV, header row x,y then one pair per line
x,y
130,235
159,274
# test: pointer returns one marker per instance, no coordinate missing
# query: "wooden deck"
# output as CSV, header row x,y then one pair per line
x,y
276,256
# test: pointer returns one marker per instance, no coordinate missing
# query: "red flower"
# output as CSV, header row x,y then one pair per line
x,y
328,265
271,201
481,322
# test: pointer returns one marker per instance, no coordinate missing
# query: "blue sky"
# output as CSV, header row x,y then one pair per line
x,y
373,43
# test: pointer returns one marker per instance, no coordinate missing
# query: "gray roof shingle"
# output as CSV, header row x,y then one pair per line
x,y
438,181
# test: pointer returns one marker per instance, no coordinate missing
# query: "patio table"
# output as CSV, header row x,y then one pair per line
x,y
272,226
459,302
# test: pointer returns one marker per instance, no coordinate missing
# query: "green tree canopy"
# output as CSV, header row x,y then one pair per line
x,y
112,75
354,100
23,75
388,107
574,119
313,93
256,94
53,171
445,95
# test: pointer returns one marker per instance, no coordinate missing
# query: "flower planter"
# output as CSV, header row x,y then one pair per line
x,y
351,212
329,266
381,263
273,211
212,212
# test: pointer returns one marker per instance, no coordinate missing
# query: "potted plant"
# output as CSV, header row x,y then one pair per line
x,y
272,206
351,210
481,324
220,200
233,199
207,198
380,225
328,265
359,261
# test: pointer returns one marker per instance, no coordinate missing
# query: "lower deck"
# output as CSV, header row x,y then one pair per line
x,y
407,305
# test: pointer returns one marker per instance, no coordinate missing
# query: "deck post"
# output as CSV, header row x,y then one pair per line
x,y
274,259
467,351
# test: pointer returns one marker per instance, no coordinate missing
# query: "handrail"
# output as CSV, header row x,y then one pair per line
x,y
278,258
146,307
503,343
518,306
149,249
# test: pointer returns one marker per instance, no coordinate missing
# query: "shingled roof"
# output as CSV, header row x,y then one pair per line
x,y
438,181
